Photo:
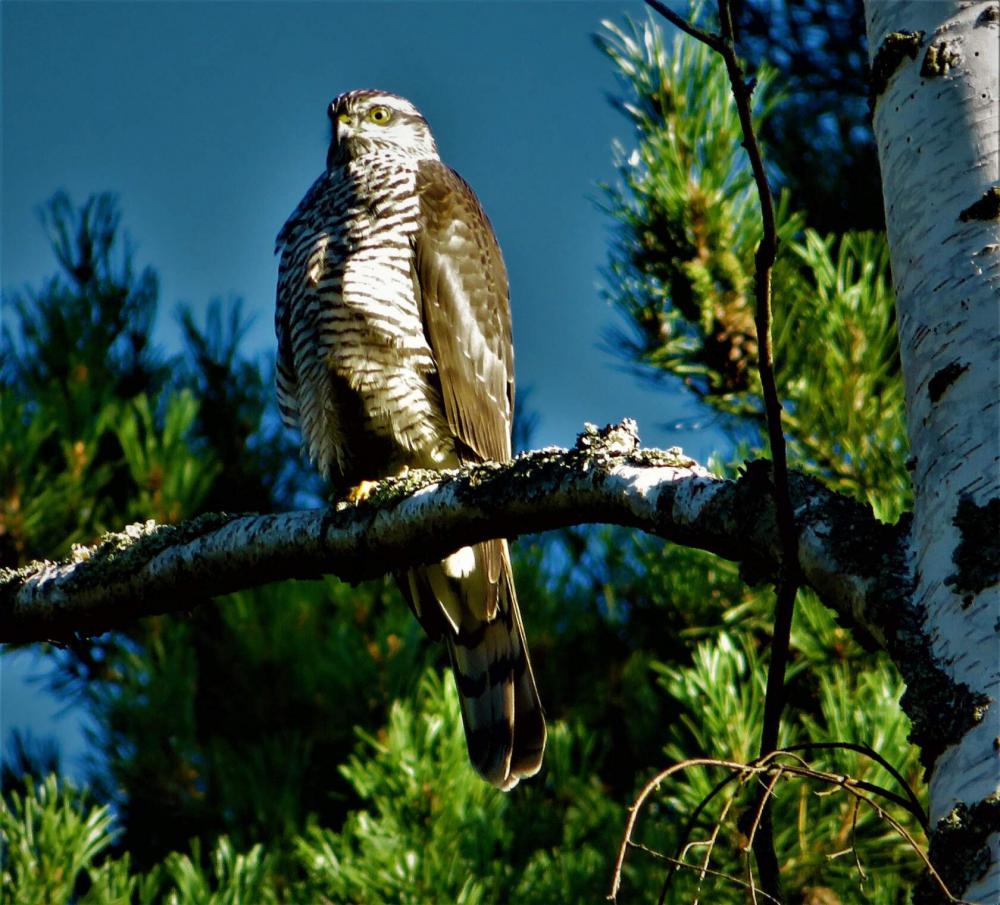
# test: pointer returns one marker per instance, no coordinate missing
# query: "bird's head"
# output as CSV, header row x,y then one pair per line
x,y
367,120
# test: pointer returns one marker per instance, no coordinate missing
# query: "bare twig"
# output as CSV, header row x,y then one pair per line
x,y
854,787
709,843
651,786
772,769
676,863
854,841
762,805
912,804
706,37
689,826
715,835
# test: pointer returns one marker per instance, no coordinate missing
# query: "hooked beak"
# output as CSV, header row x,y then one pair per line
x,y
343,128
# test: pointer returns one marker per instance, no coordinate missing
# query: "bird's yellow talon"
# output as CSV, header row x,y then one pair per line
x,y
361,493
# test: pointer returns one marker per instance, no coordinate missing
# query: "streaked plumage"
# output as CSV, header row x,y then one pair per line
x,y
394,352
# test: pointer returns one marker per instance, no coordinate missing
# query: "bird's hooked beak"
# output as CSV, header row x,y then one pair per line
x,y
344,124
343,128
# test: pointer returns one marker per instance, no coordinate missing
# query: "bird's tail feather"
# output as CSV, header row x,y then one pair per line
x,y
501,710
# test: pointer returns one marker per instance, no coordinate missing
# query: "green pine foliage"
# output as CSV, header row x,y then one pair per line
x,y
686,216
50,835
682,277
302,742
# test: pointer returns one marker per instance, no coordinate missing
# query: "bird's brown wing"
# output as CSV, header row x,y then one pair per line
x,y
462,283
464,297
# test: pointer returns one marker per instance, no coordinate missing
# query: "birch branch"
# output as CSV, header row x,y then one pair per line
x,y
844,553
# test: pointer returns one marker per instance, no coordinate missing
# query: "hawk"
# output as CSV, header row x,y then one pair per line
x,y
395,352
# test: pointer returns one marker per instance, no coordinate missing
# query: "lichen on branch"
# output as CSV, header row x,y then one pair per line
x,y
423,516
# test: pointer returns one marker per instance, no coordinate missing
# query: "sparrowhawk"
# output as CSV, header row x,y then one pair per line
x,y
395,352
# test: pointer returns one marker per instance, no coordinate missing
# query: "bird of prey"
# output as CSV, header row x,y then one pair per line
x,y
395,352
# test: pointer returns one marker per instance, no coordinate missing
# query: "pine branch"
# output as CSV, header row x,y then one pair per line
x,y
845,554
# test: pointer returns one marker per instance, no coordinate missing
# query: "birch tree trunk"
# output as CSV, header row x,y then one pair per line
x,y
936,67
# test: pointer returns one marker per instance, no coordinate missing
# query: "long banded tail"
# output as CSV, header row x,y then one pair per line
x,y
470,600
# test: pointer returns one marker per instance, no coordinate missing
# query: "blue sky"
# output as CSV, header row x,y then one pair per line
x,y
208,120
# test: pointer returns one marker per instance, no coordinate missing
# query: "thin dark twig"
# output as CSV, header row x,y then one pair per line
x,y
899,828
763,800
677,863
764,258
711,841
706,37
750,881
651,786
689,828
767,250
883,793
914,806
854,842
806,770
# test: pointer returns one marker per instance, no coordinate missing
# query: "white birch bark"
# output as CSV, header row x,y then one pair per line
x,y
937,124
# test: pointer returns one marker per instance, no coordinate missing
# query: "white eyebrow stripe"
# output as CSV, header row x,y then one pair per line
x,y
394,103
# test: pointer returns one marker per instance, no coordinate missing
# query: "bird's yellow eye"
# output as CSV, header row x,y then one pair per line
x,y
379,115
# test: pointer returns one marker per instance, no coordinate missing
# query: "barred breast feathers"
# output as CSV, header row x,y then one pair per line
x,y
347,304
